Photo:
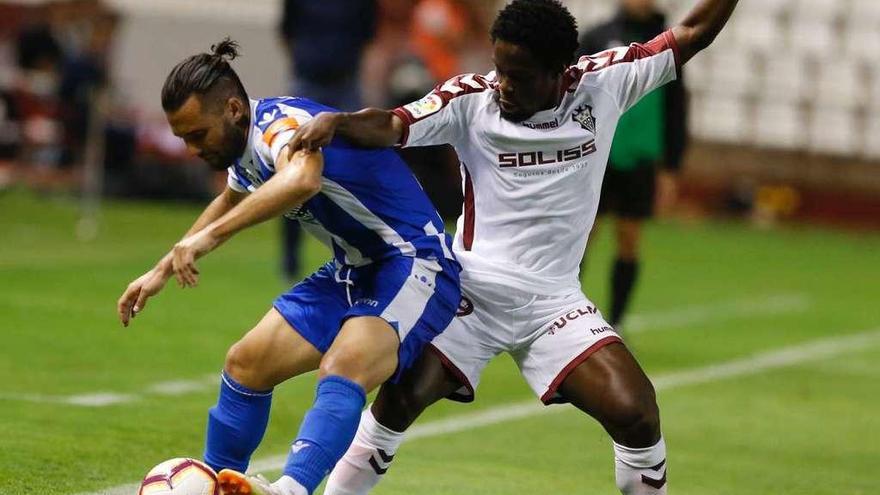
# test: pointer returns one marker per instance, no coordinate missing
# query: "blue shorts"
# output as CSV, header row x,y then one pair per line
x,y
417,297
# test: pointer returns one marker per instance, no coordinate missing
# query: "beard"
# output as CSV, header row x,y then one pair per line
x,y
234,143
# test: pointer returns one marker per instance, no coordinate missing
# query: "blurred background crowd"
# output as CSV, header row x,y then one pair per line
x,y
783,113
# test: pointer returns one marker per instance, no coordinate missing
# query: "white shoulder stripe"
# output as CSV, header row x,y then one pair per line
x,y
353,206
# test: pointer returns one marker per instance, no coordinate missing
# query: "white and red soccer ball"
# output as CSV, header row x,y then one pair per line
x,y
180,476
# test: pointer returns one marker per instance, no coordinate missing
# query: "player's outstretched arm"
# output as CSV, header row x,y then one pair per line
x,y
701,25
295,181
370,127
134,298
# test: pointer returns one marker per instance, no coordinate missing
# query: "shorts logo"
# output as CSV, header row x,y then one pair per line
x,y
368,302
583,115
424,107
465,307
597,331
563,320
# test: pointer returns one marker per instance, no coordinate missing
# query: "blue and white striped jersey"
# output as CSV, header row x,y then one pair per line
x,y
370,207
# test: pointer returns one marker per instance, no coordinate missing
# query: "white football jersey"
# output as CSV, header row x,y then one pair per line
x,y
531,188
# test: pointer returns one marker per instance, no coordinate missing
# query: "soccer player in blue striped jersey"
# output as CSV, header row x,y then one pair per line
x,y
360,320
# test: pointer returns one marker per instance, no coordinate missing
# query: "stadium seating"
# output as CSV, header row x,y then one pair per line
x,y
786,74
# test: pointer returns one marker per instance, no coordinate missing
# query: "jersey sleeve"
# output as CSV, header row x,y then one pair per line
x,y
276,125
234,181
628,73
439,117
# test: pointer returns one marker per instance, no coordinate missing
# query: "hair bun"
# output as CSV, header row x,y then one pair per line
x,y
226,49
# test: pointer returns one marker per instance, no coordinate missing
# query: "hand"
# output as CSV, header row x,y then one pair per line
x,y
314,134
186,252
666,194
134,299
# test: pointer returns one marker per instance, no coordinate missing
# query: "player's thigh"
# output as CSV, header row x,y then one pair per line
x,y
612,387
364,351
608,384
270,353
478,332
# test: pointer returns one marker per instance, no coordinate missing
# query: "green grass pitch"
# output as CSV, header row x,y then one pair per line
x,y
710,293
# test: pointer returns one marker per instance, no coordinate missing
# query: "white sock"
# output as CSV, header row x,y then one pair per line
x,y
641,471
366,460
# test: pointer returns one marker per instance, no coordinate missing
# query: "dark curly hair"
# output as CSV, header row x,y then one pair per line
x,y
202,73
544,27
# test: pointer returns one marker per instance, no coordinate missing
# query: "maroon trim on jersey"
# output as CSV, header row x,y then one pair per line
x,y
547,398
469,210
463,84
407,121
457,373
672,43
636,51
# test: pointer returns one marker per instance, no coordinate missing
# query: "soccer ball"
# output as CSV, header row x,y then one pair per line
x,y
180,477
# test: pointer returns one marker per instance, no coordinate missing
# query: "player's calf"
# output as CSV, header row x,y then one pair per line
x,y
382,426
639,448
611,387
267,355
362,356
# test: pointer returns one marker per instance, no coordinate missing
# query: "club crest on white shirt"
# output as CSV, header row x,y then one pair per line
x,y
583,115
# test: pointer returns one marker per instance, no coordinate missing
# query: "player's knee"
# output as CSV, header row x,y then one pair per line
x,y
628,248
628,243
356,364
397,407
634,415
242,364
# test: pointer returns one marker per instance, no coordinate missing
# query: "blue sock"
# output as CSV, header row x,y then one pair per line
x,y
236,425
326,432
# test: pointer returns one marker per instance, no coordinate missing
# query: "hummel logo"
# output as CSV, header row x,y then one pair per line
x,y
656,483
386,460
299,445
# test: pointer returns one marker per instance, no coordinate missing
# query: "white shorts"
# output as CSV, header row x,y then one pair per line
x,y
547,336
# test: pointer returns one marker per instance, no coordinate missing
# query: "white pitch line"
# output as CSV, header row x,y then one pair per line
x,y
787,356
104,399
771,304
96,399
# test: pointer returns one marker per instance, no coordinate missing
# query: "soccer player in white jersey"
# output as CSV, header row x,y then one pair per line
x,y
360,320
533,138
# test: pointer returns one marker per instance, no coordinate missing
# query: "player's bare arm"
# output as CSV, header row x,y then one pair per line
x,y
295,181
136,294
701,25
370,127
